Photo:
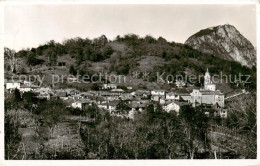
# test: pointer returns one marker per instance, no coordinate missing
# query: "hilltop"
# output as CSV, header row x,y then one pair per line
x,y
126,55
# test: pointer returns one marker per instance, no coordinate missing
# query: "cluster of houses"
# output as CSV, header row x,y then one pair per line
x,y
137,100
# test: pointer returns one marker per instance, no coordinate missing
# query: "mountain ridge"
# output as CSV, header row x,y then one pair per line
x,y
226,42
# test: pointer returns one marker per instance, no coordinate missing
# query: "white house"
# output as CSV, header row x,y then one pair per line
x,y
110,106
173,106
109,86
79,104
172,96
13,85
158,92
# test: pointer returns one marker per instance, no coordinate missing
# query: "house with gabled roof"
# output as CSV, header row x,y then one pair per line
x,y
11,85
136,107
110,106
109,86
169,106
81,104
158,92
172,96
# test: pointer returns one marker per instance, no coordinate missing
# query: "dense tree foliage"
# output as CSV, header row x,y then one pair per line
x,y
81,49
153,134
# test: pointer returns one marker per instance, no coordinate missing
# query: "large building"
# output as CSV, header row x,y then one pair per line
x,y
207,95
204,96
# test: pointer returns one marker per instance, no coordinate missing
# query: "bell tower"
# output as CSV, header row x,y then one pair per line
x,y
207,78
208,85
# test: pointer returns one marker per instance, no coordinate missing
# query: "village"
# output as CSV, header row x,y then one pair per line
x,y
137,100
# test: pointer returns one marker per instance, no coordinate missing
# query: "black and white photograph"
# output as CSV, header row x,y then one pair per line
x,y
130,81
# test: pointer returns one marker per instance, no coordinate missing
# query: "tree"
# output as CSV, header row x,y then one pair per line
x,y
72,70
32,60
11,56
100,42
92,112
52,56
82,72
194,125
164,54
124,69
150,113
107,51
161,40
122,107
95,87
149,39
17,96
52,112
29,99
174,136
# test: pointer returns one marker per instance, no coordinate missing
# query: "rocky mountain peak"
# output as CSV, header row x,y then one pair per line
x,y
226,42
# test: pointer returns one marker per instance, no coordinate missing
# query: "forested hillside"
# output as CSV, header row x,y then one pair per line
x,y
125,55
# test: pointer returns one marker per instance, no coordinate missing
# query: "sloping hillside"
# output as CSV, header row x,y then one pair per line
x,y
125,56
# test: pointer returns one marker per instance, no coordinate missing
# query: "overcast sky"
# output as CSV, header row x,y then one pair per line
x,y
28,26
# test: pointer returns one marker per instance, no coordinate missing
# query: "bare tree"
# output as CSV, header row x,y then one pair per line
x,y
243,114
11,56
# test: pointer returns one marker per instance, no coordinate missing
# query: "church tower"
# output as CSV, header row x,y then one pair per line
x,y
207,78
208,85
